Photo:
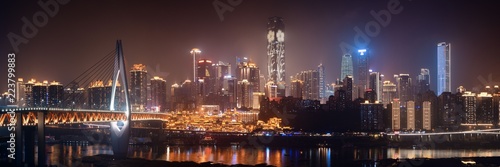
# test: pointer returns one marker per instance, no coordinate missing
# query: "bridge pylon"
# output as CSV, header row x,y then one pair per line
x,y
120,130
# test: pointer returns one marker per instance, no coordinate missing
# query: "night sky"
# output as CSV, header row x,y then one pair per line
x,y
161,34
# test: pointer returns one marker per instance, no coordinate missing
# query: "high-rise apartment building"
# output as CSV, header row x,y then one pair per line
x,y
423,81
405,89
55,94
469,106
138,87
426,116
372,116
388,92
158,94
396,115
40,94
375,84
247,70
310,80
348,87
410,115
484,112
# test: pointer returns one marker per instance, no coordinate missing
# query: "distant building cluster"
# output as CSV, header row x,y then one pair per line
x,y
224,97
145,95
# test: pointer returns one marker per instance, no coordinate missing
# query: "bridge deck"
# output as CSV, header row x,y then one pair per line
x,y
69,116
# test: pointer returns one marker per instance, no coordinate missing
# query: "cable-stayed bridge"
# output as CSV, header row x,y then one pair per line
x,y
101,102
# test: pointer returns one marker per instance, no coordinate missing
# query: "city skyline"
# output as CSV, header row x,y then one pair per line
x,y
324,48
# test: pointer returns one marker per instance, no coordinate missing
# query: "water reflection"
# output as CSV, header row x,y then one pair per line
x,y
441,153
70,155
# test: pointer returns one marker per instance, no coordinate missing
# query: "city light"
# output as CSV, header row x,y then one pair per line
x,y
362,51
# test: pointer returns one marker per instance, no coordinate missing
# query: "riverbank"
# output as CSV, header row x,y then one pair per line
x,y
103,160
423,162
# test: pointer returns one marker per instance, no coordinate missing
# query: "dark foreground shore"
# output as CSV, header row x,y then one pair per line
x,y
422,162
108,161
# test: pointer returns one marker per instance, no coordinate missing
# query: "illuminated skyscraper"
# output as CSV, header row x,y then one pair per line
x,y
244,94
20,94
410,115
449,110
346,68
376,85
388,92
427,116
203,68
444,67
206,78
310,80
221,69
484,112
322,88
230,87
138,87
74,96
98,95
56,93
271,90
296,88
247,70
28,91
396,115
423,80
158,94
175,97
405,90
276,49
348,87
362,74
372,116
40,95
469,105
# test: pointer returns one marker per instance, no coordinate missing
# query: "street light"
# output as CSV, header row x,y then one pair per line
x,y
194,51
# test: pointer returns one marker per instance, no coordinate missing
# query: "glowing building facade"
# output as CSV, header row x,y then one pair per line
x,y
346,68
138,87
444,67
276,53
276,49
158,94
362,74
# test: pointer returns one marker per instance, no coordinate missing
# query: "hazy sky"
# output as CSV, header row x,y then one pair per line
x,y
161,34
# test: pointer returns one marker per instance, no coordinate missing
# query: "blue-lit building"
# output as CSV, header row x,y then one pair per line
x,y
444,67
362,73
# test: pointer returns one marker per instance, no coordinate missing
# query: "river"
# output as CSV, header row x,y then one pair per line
x,y
71,154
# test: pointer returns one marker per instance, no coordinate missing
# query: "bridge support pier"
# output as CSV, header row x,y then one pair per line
x,y
42,160
29,143
25,141
19,139
120,135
